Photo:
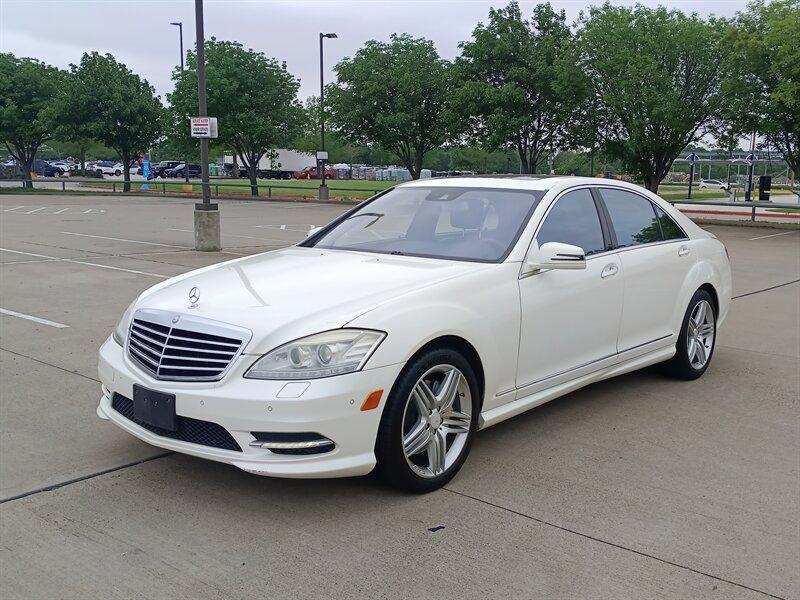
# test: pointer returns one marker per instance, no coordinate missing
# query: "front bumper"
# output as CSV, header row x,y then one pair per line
x,y
329,407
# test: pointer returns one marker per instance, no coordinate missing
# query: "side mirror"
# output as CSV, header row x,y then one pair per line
x,y
555,255
313,231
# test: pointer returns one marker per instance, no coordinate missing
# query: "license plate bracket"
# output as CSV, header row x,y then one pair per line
x,y
154,408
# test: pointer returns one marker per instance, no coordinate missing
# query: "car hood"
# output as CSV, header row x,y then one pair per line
x,y
293,292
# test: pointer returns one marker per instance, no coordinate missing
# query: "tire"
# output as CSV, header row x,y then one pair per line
x,y
99,173
117,172
436,445
687,363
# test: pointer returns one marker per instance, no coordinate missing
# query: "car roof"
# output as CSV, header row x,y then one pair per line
x,y
519,183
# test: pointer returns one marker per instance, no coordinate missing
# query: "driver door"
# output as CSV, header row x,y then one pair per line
x,y
570,318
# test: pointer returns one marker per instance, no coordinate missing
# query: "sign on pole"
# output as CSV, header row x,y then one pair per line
x,y
204,127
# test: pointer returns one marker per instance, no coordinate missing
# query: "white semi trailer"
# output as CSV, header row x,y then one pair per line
x,y
279,164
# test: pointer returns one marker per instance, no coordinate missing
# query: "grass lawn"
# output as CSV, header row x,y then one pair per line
x,y
339,188
681,193
784,210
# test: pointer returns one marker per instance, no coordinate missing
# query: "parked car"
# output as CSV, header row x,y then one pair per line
x,y
313,173
160,168
107,168
387,338
713,184
55,169
178,171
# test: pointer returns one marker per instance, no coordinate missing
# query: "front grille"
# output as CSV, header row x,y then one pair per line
x,y
182,347
189,430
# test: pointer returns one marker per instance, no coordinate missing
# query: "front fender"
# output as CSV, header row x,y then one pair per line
x,y
483,309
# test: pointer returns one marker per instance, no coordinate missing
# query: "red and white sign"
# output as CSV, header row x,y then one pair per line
x,y
204,127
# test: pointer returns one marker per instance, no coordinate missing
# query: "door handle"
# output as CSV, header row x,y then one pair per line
x,y
683,251
609,270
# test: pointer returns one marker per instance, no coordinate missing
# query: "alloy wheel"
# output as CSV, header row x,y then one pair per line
x,y
700,334
437,420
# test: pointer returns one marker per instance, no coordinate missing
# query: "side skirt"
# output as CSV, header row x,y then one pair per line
x,y
520,405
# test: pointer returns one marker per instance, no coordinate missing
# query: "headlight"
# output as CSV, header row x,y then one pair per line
x,y
121,330
320,355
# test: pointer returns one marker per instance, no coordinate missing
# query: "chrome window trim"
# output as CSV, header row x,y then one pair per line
x,y
618,249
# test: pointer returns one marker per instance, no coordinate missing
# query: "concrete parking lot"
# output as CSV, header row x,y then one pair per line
x,y
638,487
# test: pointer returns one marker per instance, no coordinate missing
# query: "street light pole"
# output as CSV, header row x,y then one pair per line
x,y
206,214
323,188
179,25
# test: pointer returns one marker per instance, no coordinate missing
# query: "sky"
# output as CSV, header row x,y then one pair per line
x,y
138,32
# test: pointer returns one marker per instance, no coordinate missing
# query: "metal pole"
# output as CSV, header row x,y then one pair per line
x,y
323,190
691,178
206,214
749,189
186,158
201,95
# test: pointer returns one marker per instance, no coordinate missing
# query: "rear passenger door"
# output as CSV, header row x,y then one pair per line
x,y
656,257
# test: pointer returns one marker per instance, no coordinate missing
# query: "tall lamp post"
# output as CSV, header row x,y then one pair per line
x,y
206,214
179,25
323,189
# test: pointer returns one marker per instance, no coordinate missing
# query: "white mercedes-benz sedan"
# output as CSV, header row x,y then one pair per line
x,y
389,337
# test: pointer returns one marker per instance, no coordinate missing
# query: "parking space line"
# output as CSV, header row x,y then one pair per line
x,y
58,212
30,212
761,237
13,313
11,209
103,237
89,264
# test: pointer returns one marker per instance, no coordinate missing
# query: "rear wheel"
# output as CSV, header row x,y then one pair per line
x,y
429,421
696,341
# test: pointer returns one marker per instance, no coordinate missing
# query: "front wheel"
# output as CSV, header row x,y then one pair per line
x,y
117,172
696,340
428,423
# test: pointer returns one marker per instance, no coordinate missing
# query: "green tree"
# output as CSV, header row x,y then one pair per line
x,y
393,95
28,116
76,127
518,83
767,92
254,99
126,115
308,140
656,77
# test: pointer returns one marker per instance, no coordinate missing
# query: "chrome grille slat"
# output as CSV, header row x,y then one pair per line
x,y
142,355
187,348
193,360
140,326
194,351
147,342
196,341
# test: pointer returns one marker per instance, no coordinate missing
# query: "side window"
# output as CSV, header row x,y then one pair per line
x,y
669,228
574,220
632,217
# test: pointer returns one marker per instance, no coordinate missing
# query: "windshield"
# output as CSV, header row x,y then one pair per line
x,y
436,222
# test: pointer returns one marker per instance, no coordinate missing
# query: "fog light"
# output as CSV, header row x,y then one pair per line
x,y
292,443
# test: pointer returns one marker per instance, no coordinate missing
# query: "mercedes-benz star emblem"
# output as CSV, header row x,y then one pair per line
x,y
194,297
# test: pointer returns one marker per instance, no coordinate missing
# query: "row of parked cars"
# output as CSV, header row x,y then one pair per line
x,y
172,168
